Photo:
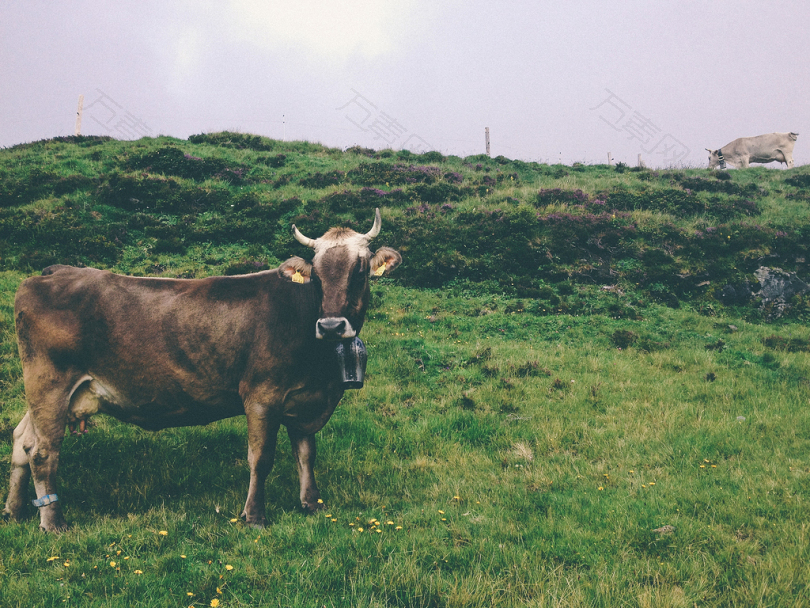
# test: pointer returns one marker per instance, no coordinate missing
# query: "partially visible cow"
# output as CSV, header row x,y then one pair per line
x,y
759,149
162,352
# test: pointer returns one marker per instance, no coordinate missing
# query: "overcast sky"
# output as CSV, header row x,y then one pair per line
x,y
554,81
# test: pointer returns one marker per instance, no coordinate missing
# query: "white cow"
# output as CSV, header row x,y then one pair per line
x,y
759,149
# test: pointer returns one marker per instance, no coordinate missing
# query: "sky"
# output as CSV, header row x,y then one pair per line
x,y
553,82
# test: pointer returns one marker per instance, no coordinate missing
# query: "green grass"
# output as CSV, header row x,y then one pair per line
x,y
526,458
525,431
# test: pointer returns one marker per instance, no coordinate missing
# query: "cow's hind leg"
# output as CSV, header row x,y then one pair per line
x,y
48,399
23,441
303,447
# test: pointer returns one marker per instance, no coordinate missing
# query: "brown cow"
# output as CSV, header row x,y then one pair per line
x,y
162,352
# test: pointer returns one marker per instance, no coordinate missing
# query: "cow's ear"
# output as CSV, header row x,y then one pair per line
x,y
297,270
384,261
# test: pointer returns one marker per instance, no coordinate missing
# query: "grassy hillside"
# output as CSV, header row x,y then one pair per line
x,y
223,203
526,437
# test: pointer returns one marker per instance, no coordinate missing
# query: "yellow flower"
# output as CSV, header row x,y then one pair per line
x,y
390,523
66,564
456,497
53,559
334,520
601,488
139,572
652,483
183,557
234,520
359,529
398,528
329,515
214,603
189,593
163,533
440,511
112,564
320,501
228,567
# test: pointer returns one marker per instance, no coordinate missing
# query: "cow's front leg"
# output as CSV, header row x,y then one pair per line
x,y
262,434
303,447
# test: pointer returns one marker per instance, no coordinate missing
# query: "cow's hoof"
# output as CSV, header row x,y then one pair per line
x,y
55,528
257,523
310,508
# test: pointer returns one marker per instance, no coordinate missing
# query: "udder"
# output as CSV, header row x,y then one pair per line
x,y
84,403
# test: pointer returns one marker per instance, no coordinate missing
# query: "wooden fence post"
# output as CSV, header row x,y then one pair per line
x,y
79,115
610,159
486,135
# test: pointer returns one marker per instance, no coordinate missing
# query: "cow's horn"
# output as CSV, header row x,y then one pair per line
x,y
707,150
304,240
375,229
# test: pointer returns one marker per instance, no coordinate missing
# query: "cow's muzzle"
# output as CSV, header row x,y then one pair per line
x,y
334,328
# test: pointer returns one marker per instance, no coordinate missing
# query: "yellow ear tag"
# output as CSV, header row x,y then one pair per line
x,y
379,272
297,277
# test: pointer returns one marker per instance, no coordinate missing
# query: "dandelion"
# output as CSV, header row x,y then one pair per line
x,y
189,593
66,564
329,516
601,488
334,520
53,559
214,603
398,528
440,511
652,483
234,520
359,529
456,497
163,533
139,572
703,466
228,567
182,557
320,501
112,564
389,523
